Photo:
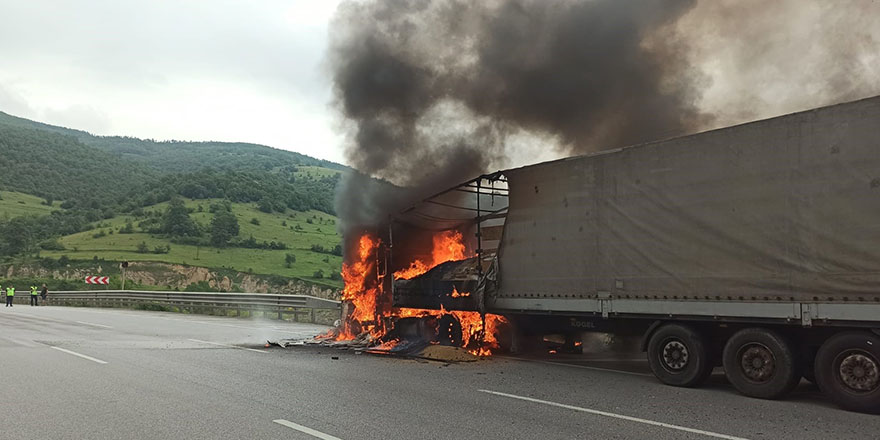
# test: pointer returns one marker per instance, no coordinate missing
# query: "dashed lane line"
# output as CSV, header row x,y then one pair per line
x,y
305,430
78,354
616,416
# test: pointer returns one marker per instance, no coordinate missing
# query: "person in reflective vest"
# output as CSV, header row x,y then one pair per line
x,y
34,296
10,294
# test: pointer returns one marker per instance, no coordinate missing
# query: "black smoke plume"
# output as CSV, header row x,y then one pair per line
x,y
433,91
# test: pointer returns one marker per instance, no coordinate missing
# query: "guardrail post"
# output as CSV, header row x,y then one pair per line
x,y
312,313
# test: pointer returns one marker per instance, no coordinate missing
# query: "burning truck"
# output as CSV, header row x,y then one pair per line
x,y
754,247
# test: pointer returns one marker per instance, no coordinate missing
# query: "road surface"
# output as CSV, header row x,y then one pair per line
x,y
77,373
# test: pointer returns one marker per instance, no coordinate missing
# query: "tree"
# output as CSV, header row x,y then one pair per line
x,y
142,248
289,259
127,229
177,221
224,226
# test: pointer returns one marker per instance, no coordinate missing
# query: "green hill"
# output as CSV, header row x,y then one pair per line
x,y
96,185
298,231
49,164
182,156
15,204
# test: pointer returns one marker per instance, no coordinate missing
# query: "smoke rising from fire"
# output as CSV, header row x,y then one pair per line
x,y
434,92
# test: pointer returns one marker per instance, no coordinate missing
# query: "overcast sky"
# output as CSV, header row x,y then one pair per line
x,y
197,70
253,71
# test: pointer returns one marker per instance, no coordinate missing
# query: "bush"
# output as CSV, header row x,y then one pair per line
x,y
52,245
201,286
318,274
152,307
254,221
142,248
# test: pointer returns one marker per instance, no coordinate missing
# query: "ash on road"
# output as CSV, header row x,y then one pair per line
x,y
106,374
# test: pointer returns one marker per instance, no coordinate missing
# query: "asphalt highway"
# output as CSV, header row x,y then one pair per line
x,y
79,373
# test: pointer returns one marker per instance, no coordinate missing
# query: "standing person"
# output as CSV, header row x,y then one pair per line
x,y
10,294
44,293
35,299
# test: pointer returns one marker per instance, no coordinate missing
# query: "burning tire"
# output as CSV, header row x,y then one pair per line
x,y
449,331
761,363
848,370
677,355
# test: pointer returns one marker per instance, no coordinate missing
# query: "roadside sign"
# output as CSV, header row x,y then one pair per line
x,y
97,280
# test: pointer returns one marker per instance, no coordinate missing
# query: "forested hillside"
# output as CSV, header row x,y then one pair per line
x,y
65,184
182,156
57,166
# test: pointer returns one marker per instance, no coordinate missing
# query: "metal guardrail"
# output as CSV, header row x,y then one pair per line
x,y
196,302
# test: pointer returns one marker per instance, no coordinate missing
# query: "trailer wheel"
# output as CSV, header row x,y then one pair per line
x,y
761,363
848,370
677,356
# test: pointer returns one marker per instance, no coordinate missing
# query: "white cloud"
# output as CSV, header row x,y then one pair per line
x,y
192,70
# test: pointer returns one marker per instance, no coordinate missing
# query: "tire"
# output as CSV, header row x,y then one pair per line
x,y
761,363
677,356
848,371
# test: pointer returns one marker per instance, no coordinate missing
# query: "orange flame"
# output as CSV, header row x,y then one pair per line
x,y
448,246
456,294
479,336
357,291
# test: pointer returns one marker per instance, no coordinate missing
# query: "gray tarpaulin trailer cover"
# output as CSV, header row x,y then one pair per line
x,y
781,209
754,247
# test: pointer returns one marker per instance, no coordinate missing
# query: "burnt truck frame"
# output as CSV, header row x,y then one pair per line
x,y
754,247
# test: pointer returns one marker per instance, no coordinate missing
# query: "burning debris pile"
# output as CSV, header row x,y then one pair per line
x,y
372,323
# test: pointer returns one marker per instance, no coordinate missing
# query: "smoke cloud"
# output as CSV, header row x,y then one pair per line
x,y
435,92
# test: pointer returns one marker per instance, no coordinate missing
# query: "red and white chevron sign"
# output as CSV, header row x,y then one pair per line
x,y
97,280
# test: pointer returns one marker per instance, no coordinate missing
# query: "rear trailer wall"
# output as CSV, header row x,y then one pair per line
x,y
781,210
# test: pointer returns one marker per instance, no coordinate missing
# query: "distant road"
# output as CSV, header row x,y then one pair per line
x,y
77,373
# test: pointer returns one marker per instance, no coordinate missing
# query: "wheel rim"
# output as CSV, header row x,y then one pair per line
x,y
858,371
757,362
674,357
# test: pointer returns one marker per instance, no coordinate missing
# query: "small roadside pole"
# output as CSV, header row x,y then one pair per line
x,y
122,267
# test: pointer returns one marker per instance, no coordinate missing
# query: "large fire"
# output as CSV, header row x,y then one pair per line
x,y
478,335
448,246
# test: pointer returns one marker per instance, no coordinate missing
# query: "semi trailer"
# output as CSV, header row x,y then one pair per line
x,y
754,247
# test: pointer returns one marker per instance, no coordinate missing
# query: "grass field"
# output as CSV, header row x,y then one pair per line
x,y
298,230
15,204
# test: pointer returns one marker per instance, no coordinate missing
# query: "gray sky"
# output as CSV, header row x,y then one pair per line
x,y
191,70
253,71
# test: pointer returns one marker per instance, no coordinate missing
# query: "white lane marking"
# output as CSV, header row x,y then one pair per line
x,y
78,354
616,416
227,345
91,323
305,429
585,367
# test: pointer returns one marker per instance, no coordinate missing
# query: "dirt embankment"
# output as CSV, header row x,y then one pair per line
x,y
175,276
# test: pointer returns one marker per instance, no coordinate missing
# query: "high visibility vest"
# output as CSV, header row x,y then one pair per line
x,y
10,291
34,291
